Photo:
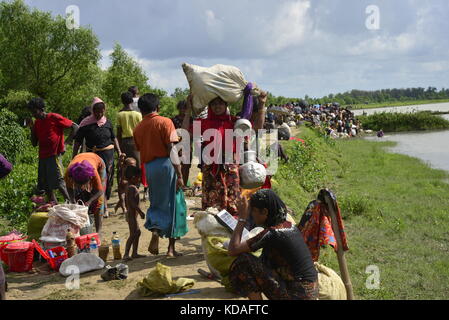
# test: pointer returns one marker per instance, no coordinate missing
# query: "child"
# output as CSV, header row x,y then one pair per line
x,y
133,176
123,183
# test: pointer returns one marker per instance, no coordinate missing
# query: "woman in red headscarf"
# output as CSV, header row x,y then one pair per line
x,y
220,168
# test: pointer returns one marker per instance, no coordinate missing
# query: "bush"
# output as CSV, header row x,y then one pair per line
x,y
12,136
15,192
305,166
398,122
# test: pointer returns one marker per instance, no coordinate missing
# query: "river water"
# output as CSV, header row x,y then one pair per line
x,y
429,146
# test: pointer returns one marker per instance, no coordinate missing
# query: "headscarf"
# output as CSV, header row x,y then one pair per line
x,y
248,102
220,123
5,166
91,119
268,199
81,172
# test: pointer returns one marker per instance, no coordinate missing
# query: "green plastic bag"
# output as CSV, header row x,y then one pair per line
x,y
218,258
180,227
159,282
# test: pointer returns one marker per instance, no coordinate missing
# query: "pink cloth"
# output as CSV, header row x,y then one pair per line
x,y
91,119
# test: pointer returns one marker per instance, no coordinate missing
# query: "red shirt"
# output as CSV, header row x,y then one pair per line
x,y
50,134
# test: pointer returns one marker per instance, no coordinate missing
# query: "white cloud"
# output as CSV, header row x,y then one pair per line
x,y
289,26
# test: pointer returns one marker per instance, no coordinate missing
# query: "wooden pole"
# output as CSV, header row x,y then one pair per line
x,y
340,252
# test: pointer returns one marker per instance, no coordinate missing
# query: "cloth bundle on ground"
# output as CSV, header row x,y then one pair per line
x,y
81,263
226,82
159,282
119,272
64,217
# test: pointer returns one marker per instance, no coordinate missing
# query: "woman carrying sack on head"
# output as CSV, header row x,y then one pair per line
x,y
98,132
86,179
221,181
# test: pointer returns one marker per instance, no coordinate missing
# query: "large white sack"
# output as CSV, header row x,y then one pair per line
x,y
208,226
82,263
226,82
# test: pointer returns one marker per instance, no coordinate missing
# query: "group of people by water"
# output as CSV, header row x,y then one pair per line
x,y
338,122
145,145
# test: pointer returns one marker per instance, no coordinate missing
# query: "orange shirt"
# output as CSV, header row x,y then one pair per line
x,y
96,162
152,135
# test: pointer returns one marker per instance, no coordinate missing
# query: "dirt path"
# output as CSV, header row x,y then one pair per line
x,y
51,285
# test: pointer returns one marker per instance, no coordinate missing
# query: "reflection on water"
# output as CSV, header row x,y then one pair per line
x,y
431,147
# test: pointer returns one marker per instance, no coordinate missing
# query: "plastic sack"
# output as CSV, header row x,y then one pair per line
x,y
73,213
330,284
82,263
207,225
226,82
180,228
55,230
159,281
252,175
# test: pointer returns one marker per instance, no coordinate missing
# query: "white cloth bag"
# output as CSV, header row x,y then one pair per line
x,y
226,82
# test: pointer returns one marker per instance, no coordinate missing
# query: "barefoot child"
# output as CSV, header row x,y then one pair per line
x,y
133,176
123,183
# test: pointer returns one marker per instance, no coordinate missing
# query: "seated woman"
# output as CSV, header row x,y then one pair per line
x,y
285,269
86,180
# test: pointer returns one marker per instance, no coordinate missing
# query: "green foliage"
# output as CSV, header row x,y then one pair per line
x,y
305,166
16,101
12,136
16,190
397,122
41,55
123,73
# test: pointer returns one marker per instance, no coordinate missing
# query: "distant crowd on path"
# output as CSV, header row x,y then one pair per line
x,y
144,144
338,122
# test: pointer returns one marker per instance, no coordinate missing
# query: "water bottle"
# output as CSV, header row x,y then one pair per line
x,y
93,246
115,241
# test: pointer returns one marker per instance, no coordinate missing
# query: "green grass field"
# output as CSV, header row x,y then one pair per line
x,y
396,214
397,104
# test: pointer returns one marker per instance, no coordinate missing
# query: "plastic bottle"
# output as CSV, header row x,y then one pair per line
x,y
115,241
93,246
70,244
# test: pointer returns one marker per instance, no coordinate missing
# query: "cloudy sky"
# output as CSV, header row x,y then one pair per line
x,y
288,47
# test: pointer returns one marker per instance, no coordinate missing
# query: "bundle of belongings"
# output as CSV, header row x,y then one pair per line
x,y
119,272
63,217
159,282
226,82
215,239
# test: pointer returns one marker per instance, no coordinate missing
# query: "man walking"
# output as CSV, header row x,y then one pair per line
x,y
155,137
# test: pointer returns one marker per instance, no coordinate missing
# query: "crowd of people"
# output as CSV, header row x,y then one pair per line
x,y
144,142
338,122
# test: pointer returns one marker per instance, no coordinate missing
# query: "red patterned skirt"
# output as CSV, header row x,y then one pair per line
x,y
221,190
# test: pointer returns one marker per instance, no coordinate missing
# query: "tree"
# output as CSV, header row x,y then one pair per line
x,y
42,56
123,73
